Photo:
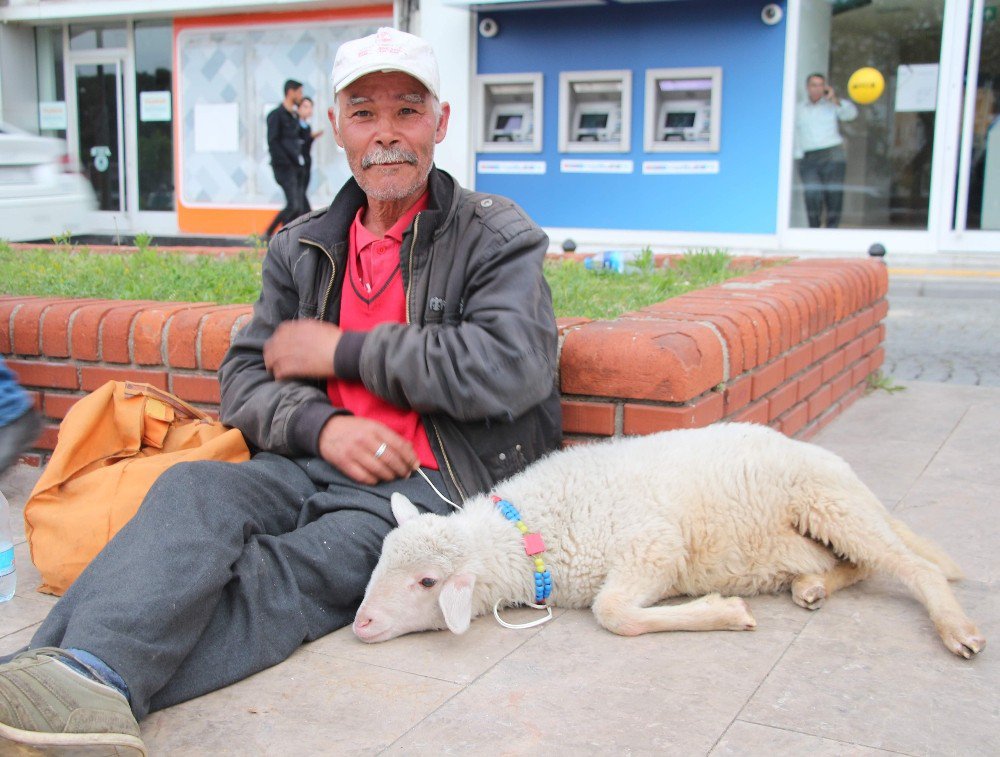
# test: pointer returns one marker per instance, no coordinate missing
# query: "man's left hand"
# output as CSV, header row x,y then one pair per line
x,y
302,349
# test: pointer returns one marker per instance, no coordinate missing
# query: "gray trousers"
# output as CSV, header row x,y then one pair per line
x,y
225,570
822,173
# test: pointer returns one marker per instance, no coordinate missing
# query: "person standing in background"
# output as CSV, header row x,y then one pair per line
x,y
284,144
307,135
820,150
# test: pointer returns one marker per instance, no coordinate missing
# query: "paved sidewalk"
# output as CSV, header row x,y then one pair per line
x,y
942,325
863,675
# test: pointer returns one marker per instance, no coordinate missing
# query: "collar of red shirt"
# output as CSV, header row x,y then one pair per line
x,y
363,237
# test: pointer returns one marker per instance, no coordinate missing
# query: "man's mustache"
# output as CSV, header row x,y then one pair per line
x,y
382,155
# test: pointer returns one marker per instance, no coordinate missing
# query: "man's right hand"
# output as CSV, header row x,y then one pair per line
x,y
350,444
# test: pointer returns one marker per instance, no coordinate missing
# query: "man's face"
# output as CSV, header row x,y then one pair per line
x,y
296,95
388,128
816,87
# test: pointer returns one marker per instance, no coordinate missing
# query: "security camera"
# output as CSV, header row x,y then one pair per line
x,y
771,14
489,28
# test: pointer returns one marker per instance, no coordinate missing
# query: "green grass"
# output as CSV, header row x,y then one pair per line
x,y
879,380
143,275
149,274
605,294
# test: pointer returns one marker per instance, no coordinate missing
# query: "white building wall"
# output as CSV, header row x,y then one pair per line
x,y
449,30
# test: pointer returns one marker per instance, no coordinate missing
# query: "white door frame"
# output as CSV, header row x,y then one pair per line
x,y
954,236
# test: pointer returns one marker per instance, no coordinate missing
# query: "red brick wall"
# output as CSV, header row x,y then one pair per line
x,y
790,345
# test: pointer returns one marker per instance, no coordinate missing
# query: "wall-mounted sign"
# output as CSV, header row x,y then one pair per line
x,y
535,167
52,115
916,87
154,106
217,127
102,157
581,165
672,167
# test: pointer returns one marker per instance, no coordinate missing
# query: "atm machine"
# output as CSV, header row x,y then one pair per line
x,y
510,122
684,121
597,122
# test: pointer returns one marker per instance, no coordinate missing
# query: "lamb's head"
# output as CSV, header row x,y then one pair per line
x,y
423,579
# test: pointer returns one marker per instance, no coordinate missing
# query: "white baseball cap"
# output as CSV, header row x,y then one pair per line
x,y
386,50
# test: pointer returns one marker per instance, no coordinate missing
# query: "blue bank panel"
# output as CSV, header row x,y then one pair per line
x,y
741,198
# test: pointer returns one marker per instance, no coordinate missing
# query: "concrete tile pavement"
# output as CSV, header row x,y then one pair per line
x,y
864,675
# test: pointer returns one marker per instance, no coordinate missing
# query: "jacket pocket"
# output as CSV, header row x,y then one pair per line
x,y
505,462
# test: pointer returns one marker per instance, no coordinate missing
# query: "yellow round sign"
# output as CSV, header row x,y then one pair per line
x,y
866,85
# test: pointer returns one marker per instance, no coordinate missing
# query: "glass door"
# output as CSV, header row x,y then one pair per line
x,y
866,112
97,85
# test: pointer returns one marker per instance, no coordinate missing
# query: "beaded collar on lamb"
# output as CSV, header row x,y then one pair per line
x,y
533,547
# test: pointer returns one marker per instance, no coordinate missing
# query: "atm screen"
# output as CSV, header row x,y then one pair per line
x,y
677,120
593,120
508,122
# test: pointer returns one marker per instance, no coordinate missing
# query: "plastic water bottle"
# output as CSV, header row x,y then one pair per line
x,y
8,571
619,261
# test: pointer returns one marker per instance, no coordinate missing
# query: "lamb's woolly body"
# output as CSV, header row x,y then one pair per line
x,y
734,526
737,509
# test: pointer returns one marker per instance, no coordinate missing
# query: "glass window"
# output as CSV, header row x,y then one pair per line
x,y
154,129
866,113
228,80
984,169
94,37
51,92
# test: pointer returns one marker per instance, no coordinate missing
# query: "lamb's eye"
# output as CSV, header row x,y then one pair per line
x,y
428,582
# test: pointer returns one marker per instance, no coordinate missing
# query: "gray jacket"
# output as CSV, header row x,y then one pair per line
x,y
476,358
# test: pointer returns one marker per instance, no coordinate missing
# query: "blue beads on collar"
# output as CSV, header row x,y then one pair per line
x,y
533,547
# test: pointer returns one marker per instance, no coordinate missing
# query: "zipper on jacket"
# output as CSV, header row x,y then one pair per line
x,y
437,432
447,462
333,275
409,268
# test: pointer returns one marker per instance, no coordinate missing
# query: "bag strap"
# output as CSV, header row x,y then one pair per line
x,y
181,408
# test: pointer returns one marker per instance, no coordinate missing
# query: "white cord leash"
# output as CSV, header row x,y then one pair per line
x,y
424,475
519,626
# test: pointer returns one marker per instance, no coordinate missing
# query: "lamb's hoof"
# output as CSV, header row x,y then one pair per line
x,y
740,618
811,596
963,638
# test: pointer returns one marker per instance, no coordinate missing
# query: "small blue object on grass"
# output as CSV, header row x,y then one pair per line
x,y
619,261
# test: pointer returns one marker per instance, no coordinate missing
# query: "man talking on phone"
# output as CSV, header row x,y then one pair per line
x,y
820,150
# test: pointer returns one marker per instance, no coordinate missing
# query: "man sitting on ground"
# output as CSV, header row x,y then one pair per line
x,y
408,326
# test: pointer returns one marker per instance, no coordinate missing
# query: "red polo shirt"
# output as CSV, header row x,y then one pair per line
x,y
373,294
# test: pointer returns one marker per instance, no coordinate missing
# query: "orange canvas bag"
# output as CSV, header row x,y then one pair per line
x,y
112,446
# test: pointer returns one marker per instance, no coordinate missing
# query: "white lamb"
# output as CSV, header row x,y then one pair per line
x,y
733,509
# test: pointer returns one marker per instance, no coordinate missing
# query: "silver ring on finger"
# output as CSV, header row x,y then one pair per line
x,y
381,449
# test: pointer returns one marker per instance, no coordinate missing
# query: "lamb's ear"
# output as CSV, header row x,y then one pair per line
x,y
455,601
402,509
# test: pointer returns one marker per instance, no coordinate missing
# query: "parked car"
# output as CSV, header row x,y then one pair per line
x,y
40,196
